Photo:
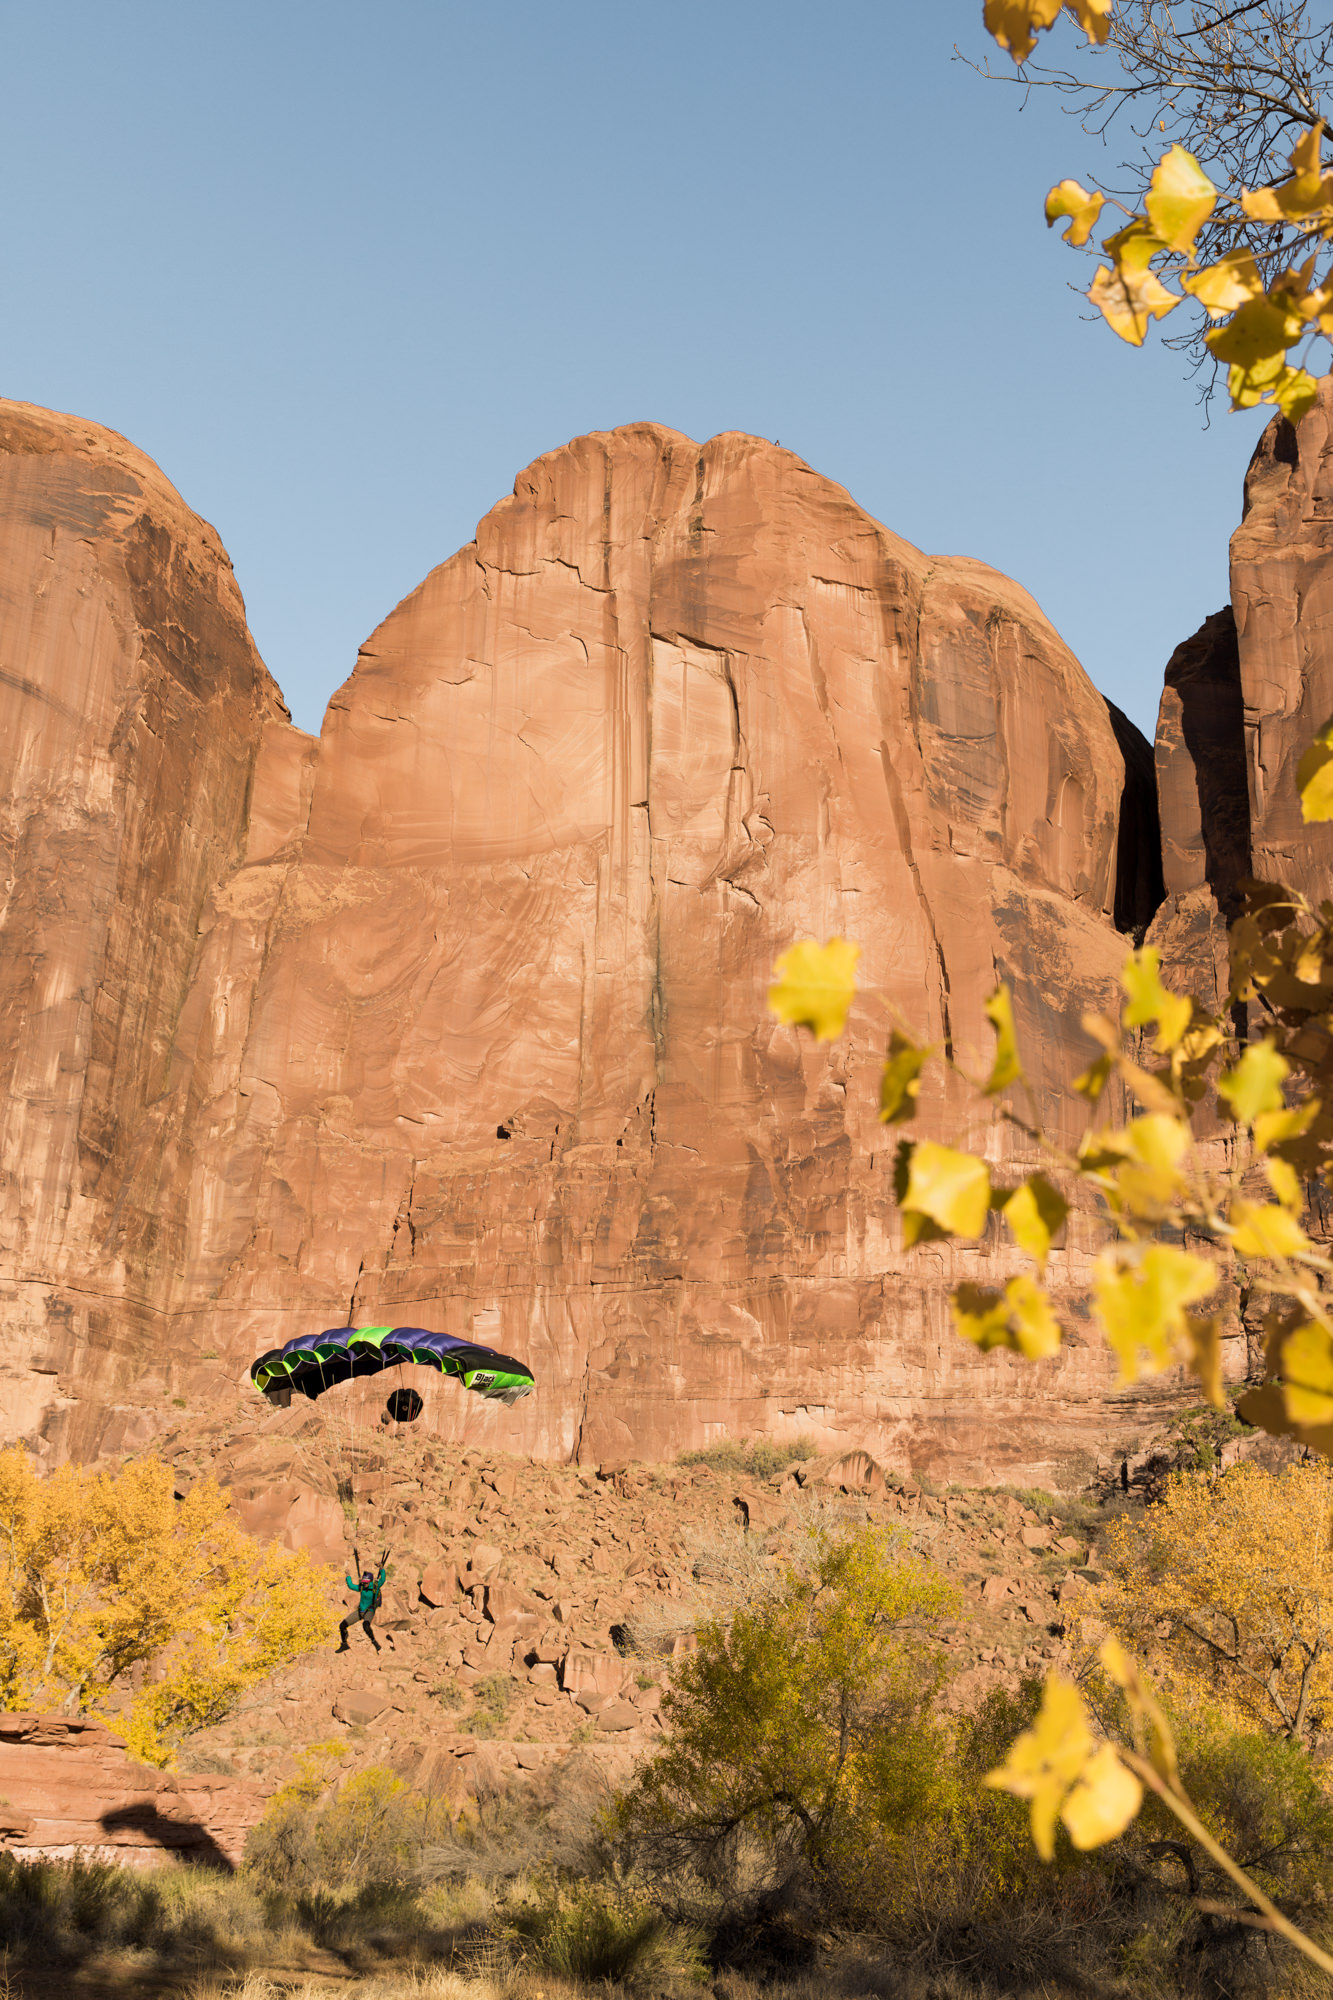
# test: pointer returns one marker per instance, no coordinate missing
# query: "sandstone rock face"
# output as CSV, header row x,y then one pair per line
x,y
457,1018
1282,591
1204,807
1242,700
132,709
70,1790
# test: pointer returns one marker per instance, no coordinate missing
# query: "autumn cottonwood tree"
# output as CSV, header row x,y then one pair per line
x,y
117,1599
1228,226
804,1720
1225,1589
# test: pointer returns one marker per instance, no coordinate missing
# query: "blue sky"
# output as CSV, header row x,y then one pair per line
x,y
343,271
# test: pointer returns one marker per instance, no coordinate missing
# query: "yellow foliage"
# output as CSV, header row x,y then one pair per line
x,y
1066,1774
1068,198
1141,1295
815,986
1129,294
1006,1070
1256,331
1016,24
1307,196
1266,1230
901,1079
1180,202
106,1580
1035,1212
806,1717
1226,1589
1180,199
1019,1318
1254,1086
1228,283
946,1189
1307,1374
1147,1000
1314,776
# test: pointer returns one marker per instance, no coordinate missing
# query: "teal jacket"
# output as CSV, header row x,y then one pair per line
x,y
366,1600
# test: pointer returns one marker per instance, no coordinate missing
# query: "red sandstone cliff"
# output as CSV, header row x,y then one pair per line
x,y
457,1016
132,702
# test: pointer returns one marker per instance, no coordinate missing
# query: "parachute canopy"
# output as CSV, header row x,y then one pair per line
x,y
314,1362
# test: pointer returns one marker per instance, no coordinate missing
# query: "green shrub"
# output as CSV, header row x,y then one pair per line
x,y
493,1695
804,1725
369,1828
64,1912
758,1458
602,1931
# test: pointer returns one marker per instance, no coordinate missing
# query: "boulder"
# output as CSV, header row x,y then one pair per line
x,y
583,1672
855,1472
617,1716
360,1706
294,1515
505,1603
439,1585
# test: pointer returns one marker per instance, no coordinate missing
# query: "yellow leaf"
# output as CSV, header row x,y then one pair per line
x,y
1314,776
1301,197
1255,1084
1156,1140
1006,1070
901,1079
1128,297
1275,1128
1296,393
1047,1761
952,1189
1250,386
1255,331
1093,16
1150,1180
1153,1091
1019,1318
1036,1329
1082,208
1091,1082
1123,1670
1203,1338
1266,1231
1307,1374
1103,1802
1180,199
1306,152
1015,24
1149,1000
1284,1180
815,985
1034,1212
981,1315
1141,1295
1230,282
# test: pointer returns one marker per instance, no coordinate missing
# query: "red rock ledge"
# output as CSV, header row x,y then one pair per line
x,y
67,1788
